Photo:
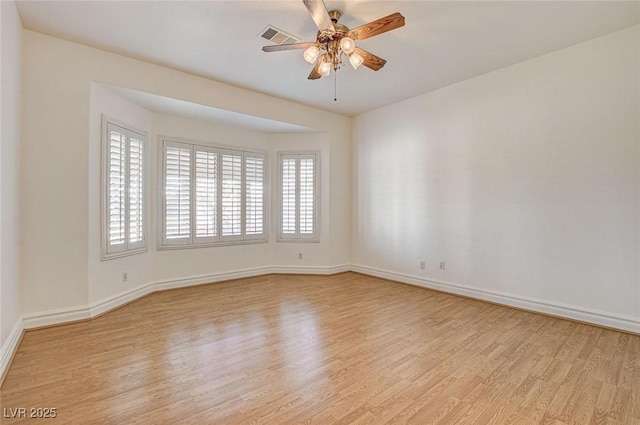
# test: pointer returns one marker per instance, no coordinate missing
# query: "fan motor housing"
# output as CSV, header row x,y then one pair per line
x,y
339,31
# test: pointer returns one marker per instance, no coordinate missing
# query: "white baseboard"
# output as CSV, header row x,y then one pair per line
x,y
627,323
57,317
10,346
321,270
102,306
162,285
53,317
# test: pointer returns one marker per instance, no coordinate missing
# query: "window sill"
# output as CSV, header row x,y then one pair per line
x,y
107,257
211,244
298,240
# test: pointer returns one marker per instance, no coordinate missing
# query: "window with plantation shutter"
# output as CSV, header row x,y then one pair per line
x,y
212,195
298,196
124,212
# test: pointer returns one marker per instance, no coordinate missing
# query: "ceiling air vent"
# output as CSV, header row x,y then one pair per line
x,y
277,36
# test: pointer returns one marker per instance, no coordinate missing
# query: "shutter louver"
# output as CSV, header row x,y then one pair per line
x,y
206,195
254,196
231,195
177,193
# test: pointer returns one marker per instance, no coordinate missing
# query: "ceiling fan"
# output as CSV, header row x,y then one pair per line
x,y
335,40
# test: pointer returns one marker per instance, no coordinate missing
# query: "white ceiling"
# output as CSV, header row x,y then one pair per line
x,y
442,42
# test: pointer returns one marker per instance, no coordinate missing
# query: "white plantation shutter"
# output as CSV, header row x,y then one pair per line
x,y
177,193
212,195
231,166
289,198
206,194
307,197
125,191
136,193
254,184
298,198
116,175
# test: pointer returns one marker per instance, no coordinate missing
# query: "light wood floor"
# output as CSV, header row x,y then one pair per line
x,y
345,349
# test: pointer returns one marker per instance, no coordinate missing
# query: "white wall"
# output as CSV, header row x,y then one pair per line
x,y
10,65
60,174
525,181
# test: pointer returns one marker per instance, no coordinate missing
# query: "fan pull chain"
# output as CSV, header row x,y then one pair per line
x,y
335,86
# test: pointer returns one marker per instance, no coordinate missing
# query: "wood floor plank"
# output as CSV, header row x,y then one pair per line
x,y
342,349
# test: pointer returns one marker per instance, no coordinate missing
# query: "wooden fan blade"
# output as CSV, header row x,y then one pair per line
x,y
314,75
290,46
319,14
382,25
370,60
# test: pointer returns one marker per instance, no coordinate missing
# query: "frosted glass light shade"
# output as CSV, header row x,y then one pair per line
x,y
355,60
347,45
324,69
311,54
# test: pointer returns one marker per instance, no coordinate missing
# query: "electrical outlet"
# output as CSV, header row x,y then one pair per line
x,y
300,256
124,276
442,265
423,264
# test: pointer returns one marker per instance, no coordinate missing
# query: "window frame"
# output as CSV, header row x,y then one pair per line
x,y
128,248
219,239
297,237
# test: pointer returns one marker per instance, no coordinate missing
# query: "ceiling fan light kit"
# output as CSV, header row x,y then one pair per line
x,y
355,60
325,66
335,40
311,54
347,45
